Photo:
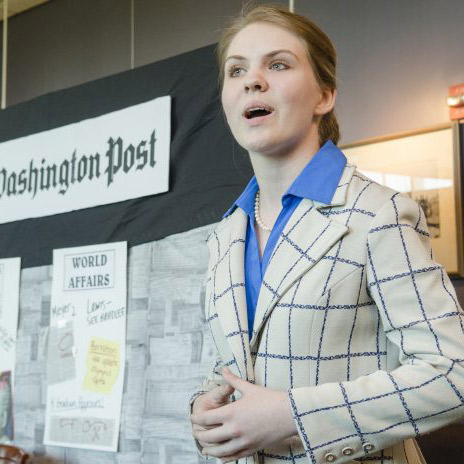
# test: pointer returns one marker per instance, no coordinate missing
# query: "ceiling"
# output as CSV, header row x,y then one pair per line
x,y
18,6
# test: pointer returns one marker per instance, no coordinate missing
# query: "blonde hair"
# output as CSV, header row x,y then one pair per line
x,y
321,52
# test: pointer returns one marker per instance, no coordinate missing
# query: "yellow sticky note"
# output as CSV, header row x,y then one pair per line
x,y
102,365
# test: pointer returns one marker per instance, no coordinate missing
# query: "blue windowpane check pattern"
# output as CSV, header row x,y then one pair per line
x,y
354,319
317,181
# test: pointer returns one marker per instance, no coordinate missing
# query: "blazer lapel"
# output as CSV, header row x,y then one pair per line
x,y
305,239
228,287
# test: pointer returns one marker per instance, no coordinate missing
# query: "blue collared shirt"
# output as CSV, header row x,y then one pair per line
x,y
317,181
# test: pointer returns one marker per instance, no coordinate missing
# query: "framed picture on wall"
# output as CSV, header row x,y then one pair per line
x,y
426,165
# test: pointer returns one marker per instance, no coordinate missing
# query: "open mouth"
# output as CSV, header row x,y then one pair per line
x,y
257,112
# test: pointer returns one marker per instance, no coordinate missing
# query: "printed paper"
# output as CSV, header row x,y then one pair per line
x,y
86,344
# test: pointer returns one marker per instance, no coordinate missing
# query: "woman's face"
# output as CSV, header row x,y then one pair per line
x,y
270,95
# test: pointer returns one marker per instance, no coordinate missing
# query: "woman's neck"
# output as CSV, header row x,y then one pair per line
x,y
274,175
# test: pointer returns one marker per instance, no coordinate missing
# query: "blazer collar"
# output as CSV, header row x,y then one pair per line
x,y
227,243
317,181
306,238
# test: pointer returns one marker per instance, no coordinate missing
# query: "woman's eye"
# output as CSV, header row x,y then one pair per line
x,y
235,71
278,66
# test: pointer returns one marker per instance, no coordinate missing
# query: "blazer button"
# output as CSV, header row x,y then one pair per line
x,y
329,457
348,451
368,447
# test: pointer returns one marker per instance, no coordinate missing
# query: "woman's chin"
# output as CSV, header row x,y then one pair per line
x,y
270,148
263,146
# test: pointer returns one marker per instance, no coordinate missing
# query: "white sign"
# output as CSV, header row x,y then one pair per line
x,y
111,158
86,347
9,302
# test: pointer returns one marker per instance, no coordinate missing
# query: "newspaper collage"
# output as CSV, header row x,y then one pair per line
x,y
168,352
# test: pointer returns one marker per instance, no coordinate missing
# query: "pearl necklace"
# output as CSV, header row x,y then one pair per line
x,y
258,217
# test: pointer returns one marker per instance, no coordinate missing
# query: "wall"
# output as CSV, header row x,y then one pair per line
x,y
64,42
396,59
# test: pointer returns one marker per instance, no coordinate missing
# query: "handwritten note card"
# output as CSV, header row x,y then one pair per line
x,y
102,365
85,347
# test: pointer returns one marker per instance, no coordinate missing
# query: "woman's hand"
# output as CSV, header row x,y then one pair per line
x,y
258,419
214,399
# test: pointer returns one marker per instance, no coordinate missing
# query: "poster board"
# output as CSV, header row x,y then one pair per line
x,y
86,347
9,304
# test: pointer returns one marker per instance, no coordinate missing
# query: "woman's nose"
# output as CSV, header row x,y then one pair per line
x,y
255,82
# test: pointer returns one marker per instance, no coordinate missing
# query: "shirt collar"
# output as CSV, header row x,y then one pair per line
x,y
317,181
246,200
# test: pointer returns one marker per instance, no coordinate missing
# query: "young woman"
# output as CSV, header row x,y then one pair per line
x,y
337,334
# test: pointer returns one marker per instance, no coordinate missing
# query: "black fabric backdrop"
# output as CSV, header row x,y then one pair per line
x,y
208,170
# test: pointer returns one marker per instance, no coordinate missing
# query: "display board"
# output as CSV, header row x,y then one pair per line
x,y
9,299
86,347
168,348
168,351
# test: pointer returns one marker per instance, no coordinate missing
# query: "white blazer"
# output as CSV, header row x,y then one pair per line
x,y
354,319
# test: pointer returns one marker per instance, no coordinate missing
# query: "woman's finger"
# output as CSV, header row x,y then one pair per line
x,y
205,444
213,417
201,428
229,448
196,430
215,435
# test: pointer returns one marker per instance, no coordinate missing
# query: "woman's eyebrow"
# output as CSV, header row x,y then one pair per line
x,y
268,55
281,50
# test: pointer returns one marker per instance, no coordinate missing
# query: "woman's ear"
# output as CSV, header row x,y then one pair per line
x,y
326,102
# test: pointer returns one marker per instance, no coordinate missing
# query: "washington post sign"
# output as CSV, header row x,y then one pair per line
x,y
114,157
